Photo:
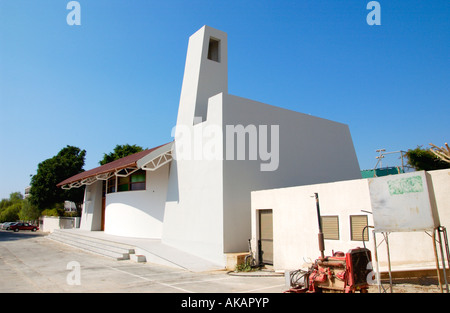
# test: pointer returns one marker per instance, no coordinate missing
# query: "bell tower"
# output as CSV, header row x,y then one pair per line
x,y
205,74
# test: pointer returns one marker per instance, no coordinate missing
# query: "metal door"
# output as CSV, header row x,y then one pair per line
x,y
266,235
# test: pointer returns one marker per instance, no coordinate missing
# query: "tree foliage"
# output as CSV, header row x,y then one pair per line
x,y
28,212
9,208
17,208
120,151
11,213
68,162
424,159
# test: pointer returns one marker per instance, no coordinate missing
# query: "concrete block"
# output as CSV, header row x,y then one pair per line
x,y
138,258
235,259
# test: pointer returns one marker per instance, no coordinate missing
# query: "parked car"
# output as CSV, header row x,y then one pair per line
x,y
23,226
7,225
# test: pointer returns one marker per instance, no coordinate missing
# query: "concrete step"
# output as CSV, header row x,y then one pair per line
x,y
153,250
138,258
107,248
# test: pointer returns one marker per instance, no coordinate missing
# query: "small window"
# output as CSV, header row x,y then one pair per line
x,y
123,184
135,181
330,227
111,185
357,224
213,49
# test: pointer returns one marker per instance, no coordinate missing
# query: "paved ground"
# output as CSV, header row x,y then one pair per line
x,y
29,262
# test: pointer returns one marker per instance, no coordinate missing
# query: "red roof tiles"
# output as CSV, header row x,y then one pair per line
x,y
128,161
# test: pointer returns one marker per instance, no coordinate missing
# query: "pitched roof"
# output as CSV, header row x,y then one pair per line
x,y
114,166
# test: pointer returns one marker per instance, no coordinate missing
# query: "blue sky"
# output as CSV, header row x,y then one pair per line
x,y
116,78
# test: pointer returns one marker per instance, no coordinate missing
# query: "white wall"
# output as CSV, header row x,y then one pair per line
x,y
193,217
50,223
295,223
311,150
138,213
92,207
208,206
441,187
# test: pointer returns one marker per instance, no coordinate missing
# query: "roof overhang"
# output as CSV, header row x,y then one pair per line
x,y
87,181
157,158
149,160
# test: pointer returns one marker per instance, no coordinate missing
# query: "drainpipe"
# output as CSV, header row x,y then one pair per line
x,y
320,236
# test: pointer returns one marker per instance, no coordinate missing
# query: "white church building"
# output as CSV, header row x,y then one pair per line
x,y
194,193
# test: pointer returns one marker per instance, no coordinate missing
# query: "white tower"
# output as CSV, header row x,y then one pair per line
x,y
193,217
205,74
207,211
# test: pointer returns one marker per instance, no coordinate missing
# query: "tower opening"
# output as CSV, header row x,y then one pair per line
x,y
213,49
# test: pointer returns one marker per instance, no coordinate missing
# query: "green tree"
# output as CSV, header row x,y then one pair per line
x,y
425,160
68,162
120,151
4,204
28,212
10,208
16,197
11,213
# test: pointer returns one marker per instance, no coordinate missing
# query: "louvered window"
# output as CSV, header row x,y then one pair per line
x,y
357,224
330,227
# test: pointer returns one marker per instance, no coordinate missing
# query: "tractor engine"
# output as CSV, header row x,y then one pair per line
x,y
338,273
344,273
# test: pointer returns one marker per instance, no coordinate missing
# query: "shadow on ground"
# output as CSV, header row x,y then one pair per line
x,y
8,235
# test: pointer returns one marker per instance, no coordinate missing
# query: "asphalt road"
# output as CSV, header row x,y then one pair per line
x,y
31,263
